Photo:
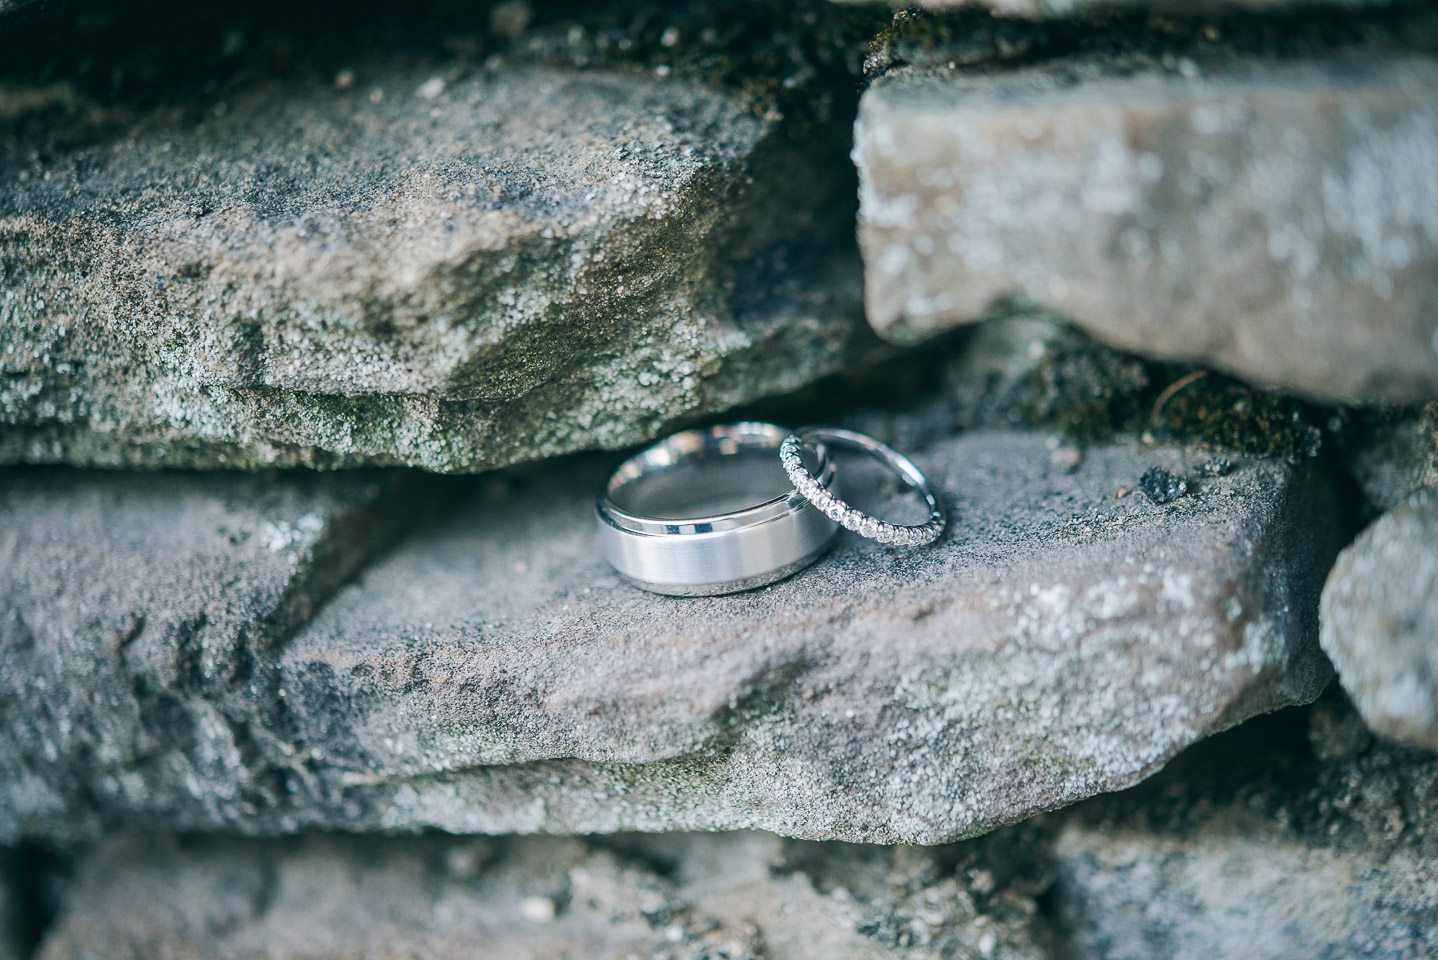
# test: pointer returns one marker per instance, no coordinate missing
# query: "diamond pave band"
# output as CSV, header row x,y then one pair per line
x,y
835,509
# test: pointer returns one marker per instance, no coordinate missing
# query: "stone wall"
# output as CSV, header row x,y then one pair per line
x,y
320,327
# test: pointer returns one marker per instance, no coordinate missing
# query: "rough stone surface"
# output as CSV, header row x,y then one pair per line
x,y
1392,456
493,675
679,897
1327,854
455,266
132,611
1031,370
13,923
1295,835
1380,621
1240,214
1071,8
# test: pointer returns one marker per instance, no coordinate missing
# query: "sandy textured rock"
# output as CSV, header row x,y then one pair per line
x,y
1298,831
132,612
1032,371
453,267
493,675
1275,221
1380,621
1260,850
680,897
1392,455
1068,8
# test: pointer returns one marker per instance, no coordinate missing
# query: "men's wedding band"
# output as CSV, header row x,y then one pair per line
x,y
710,511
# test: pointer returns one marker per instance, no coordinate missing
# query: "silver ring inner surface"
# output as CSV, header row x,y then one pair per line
x,y
711,511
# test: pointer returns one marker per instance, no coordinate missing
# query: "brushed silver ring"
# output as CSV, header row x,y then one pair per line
x,y
898,534
660,531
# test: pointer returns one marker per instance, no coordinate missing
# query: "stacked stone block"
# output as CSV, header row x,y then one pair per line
x,y
1155,289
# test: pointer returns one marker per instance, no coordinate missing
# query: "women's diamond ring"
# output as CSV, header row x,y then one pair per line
x,y
821,496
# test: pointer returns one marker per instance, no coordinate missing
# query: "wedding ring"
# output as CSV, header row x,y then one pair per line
x,y
820,495
709,511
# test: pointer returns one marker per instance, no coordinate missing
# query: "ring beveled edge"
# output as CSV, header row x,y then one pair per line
x,y
790,509
782,505
734,586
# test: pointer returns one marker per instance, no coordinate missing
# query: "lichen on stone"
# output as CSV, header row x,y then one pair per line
x,y
1225,412
1087,392
795,58
448,247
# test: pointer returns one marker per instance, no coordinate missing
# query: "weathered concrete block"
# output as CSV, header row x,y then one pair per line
x,y
1275,221
454,270
493,675
1380,621
1330,859
132,606
680,897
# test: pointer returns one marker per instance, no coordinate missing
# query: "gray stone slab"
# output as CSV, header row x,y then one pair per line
x,y
1057,644
1278,221
493,675
679,897
1380,621
1392,455
1329,857
133,610
455,266
1296,835
1055,9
